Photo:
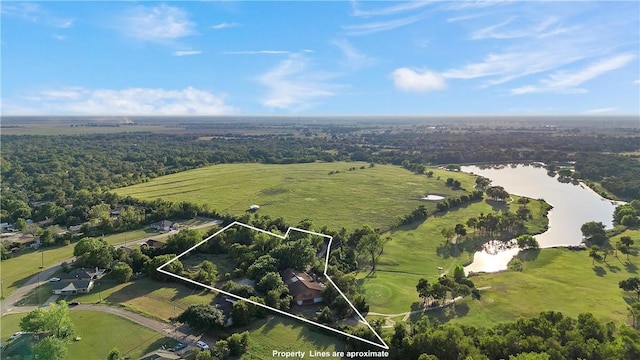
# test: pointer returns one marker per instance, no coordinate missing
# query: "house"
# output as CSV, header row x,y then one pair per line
x,y
164,225
154,244
77,281
225,305
304,288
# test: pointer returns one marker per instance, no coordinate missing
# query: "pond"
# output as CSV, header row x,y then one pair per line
x,y
573,205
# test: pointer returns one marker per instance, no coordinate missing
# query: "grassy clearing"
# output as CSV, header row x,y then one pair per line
x,y
65,129
22,267
417,251
375,196
283,334
100,332
149,297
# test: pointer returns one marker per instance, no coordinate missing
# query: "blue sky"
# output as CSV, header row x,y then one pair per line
x,y
339,57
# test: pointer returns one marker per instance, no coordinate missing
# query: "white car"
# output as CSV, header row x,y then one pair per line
x,y
54,279
202,345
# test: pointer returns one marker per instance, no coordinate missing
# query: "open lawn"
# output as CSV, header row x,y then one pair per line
x,y
283,334
418,250
100,332
25,264
147,297
374,196
553,279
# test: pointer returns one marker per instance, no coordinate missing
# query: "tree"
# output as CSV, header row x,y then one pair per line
x,y
122,272
372,245
527,241
460,230
423,289
202,316
447,233
240,313
55,321
626,242
183,240
20,224
238,343
114,354
594,254
325,316
270,281
458,273
174,267
49,348
631,284
591,228
5,252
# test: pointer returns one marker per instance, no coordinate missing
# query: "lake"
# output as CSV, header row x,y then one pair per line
x,y
573,205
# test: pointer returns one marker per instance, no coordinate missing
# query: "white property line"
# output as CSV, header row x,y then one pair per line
x,y
326,264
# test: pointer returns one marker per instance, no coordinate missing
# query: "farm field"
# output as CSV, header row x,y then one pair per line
x,y
98,336
350,199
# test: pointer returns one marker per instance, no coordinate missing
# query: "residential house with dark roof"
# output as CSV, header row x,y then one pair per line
x,y
304,288
77,281
164,225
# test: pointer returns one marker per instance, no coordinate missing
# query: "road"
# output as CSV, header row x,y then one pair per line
x,y
8,303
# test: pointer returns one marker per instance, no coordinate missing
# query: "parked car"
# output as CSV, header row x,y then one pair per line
x,y
74,303
202,345
16,335
54,279
179,346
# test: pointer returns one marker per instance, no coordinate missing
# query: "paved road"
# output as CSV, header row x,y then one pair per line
x,y
8,303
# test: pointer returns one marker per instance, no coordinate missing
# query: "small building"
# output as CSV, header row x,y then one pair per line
x,y
164,225
254,207
161,355
154,244
225,305
304,288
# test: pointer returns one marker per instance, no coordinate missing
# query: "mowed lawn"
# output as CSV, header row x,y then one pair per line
x,y
417,251
350,199
100,332
149,297
284,334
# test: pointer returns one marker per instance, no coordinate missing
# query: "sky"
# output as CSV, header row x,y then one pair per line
x,y
320,58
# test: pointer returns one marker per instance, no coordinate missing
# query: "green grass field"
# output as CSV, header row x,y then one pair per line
x,y
147,297
26,264
417,251
100,332
283,334
553,279
374,196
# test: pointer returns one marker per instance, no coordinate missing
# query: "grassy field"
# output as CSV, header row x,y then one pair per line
x,y
418,251
65,129
100,332
148,297
553,279
26,264
283,334
375,196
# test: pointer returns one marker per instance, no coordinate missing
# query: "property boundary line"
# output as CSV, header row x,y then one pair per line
x,y
281,312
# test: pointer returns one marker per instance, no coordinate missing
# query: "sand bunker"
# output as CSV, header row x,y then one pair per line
x,y
432,197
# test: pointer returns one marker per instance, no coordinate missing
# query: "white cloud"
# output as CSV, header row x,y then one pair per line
x,y
293,86
374,27
224,25
130,101
354,57
637,82
257,52
567,81
465,17
601,110
475,4
186,52
35,13
411,80
395,9
543,29
159,23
